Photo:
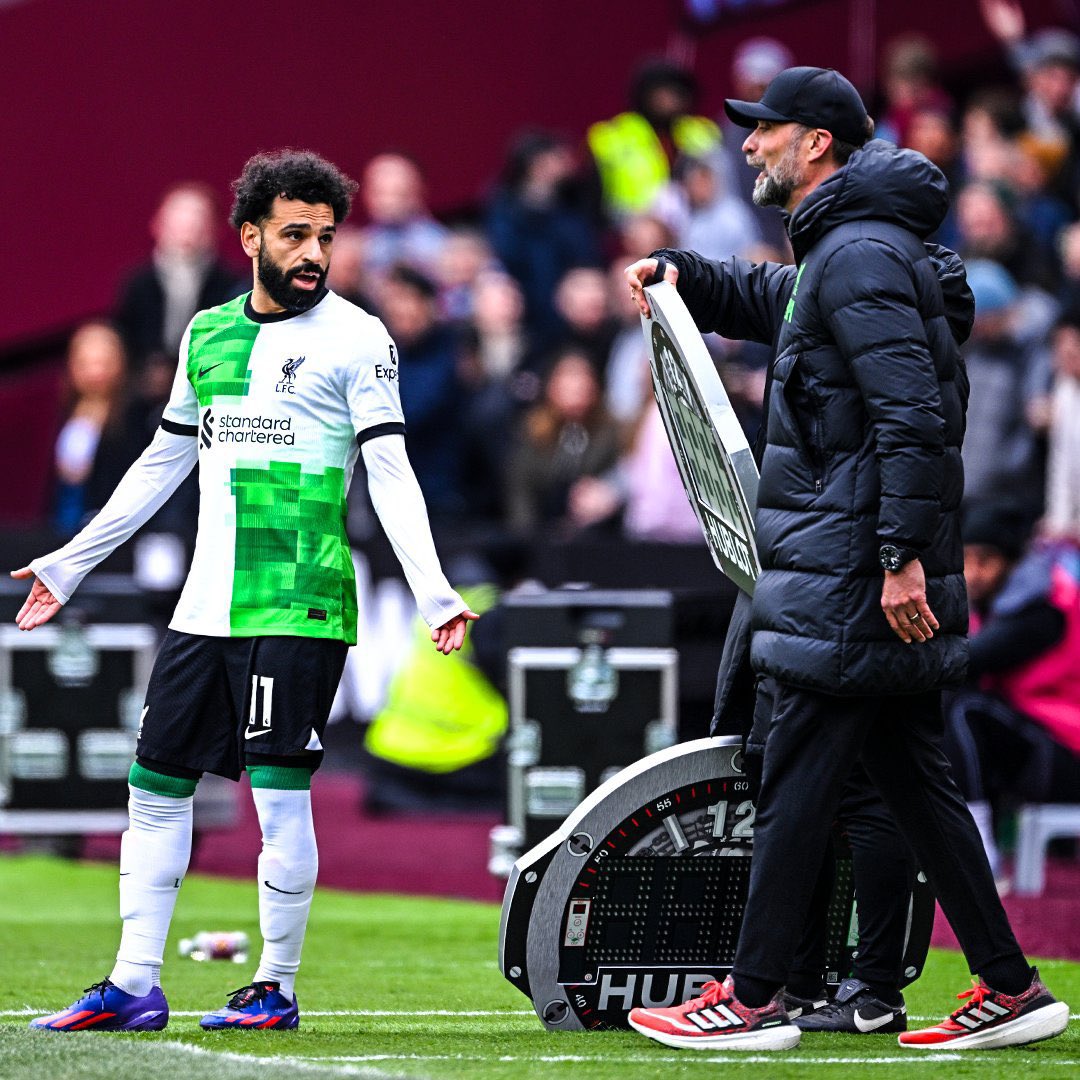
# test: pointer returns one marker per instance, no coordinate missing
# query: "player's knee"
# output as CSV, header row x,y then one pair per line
x,y
282,772
157,778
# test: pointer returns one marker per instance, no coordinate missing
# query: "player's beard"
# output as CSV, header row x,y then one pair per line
x,y
776,186
279,287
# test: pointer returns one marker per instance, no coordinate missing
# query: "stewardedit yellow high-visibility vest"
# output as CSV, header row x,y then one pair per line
x,y
631,160
441,713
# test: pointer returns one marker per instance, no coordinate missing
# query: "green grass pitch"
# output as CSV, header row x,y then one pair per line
x,y
391,986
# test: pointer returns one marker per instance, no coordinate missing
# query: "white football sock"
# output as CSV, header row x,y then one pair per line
x,y
154,855
288,866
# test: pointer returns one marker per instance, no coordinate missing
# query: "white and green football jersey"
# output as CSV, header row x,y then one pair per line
x,y
280,405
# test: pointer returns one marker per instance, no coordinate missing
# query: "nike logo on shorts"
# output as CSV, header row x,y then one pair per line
x,y
249,734
206,370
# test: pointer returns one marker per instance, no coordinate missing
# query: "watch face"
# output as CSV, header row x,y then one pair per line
x,y
890,557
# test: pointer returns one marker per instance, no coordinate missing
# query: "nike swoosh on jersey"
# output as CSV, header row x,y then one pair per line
x,y
206,370
866,1026
285,891
249,734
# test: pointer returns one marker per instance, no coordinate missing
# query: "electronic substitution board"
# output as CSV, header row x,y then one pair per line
x,y
637,899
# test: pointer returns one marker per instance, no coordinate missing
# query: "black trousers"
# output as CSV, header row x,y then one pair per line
x,y
814,743
884,876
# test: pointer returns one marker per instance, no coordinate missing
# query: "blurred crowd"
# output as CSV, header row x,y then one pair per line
x,y
525,381
525,385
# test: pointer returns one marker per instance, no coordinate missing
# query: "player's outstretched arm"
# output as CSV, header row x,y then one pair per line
x,y
39,607
451,635
144,489
399,504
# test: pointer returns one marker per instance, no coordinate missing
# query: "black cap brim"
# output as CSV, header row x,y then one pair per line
x,y
747,113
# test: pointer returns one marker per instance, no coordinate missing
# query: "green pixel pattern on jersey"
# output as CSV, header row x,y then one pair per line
x,y
219,352
292,553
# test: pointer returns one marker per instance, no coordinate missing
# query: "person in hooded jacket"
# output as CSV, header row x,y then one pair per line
x,y
859,615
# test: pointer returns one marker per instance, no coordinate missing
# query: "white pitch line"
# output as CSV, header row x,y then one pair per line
x,y
328,1066
643,1059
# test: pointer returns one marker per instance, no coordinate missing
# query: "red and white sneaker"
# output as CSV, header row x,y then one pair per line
x,y
989,1020
718,1019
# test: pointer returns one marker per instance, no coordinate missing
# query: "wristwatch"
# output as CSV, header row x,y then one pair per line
x,y
893,558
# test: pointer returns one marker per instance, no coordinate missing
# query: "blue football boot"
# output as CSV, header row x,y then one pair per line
x,y
105,1007
259,1005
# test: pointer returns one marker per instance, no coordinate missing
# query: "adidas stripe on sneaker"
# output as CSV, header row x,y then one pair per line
x,y
990,1020
718,1018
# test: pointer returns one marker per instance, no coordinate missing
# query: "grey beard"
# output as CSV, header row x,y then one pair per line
x,y
773,191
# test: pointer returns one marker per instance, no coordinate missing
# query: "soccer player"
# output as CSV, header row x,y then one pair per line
x,y
276,395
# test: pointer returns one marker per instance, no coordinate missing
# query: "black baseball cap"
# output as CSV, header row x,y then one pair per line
x,y
816,97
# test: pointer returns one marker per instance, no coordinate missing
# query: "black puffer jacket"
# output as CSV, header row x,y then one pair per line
x,y
865,423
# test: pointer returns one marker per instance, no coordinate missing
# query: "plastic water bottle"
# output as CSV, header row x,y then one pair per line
x,y
216,945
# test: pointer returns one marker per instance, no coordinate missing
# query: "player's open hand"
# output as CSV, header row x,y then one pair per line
x,y
451,635
39,607
640,274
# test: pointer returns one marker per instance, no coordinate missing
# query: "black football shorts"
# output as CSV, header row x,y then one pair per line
x,y
211,701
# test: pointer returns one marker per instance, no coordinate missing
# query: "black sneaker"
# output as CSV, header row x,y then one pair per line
x,y
856,1010
796,1006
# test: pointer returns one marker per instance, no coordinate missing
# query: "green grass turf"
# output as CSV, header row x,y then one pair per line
x,y
59,927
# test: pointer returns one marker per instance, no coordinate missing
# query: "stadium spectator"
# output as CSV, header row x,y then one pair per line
x,y
183,275
634,151
348,275
92,450
1062,517
1048,63
1068,244
1041,212
430,391
644,487
999,450
637,232
587,322
1015,732
537,224
400,229
567,435
931,131
911,85
755,64
702,212
628,357
434,745
988,229
464,256
498,373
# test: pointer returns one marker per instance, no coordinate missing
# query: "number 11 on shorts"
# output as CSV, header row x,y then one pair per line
x,y
266,684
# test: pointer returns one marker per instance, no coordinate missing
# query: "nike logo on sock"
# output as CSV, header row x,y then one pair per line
x,y
285,891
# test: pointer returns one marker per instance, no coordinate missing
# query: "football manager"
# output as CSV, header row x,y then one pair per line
x,y
859,615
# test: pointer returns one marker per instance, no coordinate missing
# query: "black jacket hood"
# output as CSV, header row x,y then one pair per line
x,y
879,182
959,301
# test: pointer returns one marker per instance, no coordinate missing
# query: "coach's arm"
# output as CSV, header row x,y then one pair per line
x,y
732,297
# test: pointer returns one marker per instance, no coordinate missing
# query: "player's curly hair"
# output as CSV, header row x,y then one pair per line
x,y
292,174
